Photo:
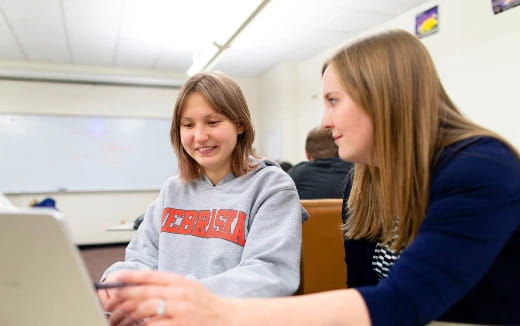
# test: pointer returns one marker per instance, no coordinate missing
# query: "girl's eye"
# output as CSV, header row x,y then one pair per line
x,y
213,122
187,125
332,100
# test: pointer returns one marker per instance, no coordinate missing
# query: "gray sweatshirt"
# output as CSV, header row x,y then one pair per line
x,y
240,238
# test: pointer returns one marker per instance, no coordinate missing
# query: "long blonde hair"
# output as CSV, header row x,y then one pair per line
x,y
392,77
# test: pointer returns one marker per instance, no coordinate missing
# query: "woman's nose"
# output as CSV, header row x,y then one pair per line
x,y
326,121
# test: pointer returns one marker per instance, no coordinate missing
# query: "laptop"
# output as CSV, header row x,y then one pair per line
x,y
43,280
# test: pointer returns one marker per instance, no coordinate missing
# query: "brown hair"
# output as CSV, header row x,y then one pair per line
x,y
225,96
320,144
392,77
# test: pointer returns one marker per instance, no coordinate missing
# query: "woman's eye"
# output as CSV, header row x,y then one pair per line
x,y
332,101
213,122
187,125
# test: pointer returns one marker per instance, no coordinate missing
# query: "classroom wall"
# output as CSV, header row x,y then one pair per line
x,y
476,53
477,56
89,214
276,111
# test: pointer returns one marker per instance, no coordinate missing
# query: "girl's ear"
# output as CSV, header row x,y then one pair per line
x,y
240,129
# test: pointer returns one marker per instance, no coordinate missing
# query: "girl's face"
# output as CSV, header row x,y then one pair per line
x,y
350,124
208,137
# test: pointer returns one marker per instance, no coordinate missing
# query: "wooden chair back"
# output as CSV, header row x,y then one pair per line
x,y
323,255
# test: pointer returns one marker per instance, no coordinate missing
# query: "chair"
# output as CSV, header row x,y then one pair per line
x,y
323,255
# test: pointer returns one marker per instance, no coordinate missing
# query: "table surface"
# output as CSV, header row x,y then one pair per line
x,y
122,227
444,323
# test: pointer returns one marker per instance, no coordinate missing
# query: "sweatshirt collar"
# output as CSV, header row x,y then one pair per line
x,y
224,180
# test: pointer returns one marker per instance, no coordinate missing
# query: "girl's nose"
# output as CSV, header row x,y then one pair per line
x,y
201,134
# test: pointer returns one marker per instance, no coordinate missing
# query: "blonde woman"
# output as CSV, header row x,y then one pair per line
x,y
433,212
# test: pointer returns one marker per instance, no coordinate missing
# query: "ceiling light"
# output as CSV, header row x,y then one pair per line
x,y
48,72
205,59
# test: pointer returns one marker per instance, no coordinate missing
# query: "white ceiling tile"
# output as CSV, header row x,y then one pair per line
x,y
93,28
141,35
9,49
38,26
174,58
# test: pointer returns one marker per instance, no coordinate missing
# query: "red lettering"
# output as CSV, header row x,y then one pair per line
x,y
168,219
178,214
187,222
226,229
238,233
218,222
164,217
202,223
206,223
211,228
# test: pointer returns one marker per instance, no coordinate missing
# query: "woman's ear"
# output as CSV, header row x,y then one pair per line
x,y
240,128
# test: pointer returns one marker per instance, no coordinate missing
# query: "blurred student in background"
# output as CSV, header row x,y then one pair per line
x,y
286,166
324,174
229,220
433,195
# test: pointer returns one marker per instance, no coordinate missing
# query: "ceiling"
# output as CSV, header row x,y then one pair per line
x,y
162,35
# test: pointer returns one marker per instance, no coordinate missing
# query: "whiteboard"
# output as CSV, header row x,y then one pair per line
x,y
55,153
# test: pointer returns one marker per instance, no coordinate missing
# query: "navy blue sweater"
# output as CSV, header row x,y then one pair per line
x,y
464,264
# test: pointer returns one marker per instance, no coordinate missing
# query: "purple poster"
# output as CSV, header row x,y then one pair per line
x,y
427,22
503,5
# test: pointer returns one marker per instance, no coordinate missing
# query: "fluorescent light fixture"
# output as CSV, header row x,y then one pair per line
x,y
208,57
88,75
204,59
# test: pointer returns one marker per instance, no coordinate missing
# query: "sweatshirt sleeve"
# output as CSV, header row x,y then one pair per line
x,y
142,251
473,212
270,263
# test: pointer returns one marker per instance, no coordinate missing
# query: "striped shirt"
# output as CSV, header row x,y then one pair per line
x,y
383,259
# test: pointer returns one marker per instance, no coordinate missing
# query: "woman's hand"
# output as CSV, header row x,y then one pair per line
x,y
105,294
160,299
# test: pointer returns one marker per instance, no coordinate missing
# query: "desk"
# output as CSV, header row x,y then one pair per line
x,y
122,227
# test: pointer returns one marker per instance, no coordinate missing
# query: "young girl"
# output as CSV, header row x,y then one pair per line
x,y
229,220
433,222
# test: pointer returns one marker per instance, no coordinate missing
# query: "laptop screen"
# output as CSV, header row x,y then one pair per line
x,y
43,280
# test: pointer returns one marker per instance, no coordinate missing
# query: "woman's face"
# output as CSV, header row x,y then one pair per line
x,y
350,124
208,137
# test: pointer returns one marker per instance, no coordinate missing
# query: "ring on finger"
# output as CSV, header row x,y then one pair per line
x,y
161,308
